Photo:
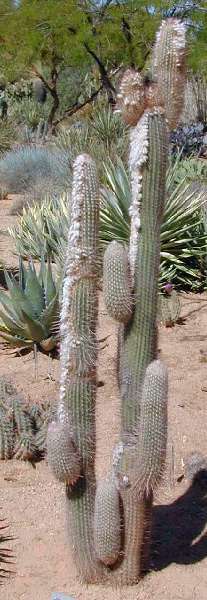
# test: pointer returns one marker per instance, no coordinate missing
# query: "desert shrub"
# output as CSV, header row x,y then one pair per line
x,y
19,90
189,139
8,135
35,169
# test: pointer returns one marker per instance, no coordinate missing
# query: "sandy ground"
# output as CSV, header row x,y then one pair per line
x,y
34,504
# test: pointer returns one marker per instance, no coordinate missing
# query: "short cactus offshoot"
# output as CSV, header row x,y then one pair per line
x,y
110,523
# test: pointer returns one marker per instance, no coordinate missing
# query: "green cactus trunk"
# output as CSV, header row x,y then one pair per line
x,y
78,358
139,342
140,336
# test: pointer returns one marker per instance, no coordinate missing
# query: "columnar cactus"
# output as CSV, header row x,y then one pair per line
x,y
110,524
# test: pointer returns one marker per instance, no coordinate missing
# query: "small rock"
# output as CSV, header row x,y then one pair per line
x,y
60,596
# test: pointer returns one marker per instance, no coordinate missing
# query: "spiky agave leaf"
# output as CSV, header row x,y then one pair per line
x,y
183,239
29,313
6,554
41,228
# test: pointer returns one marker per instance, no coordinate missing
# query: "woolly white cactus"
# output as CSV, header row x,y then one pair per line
x,y
109,523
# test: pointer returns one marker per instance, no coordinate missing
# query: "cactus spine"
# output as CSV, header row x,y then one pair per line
x,y
110,524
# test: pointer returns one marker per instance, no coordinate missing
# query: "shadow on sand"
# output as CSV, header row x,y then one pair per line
x,y
178,528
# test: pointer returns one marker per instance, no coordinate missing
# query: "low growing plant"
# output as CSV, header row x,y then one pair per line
x,y
23,427
30,169
29,312
6,554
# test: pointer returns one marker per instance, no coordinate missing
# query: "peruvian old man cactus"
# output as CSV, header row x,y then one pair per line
x,y
109,522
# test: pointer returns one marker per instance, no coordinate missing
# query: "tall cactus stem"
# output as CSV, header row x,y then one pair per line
x,y
78,358
140,335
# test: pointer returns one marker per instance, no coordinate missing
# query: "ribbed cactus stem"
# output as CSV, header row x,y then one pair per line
x,y
140,334
6,439
117,283
140,337
152,438
78,358
107,522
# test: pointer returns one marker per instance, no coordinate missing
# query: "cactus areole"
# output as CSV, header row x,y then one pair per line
x,y
109,522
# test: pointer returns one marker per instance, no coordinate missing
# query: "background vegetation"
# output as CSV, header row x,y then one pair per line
x,y
58,89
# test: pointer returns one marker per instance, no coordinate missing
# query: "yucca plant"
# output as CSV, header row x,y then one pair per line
x,y
183,239
28,112
103,132
29,313
108,129
43,229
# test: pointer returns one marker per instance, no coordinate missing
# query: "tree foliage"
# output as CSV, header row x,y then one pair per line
x,y
107,34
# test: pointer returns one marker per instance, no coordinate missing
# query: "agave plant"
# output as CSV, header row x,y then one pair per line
x,y
29,313
42,228
6,554
183,240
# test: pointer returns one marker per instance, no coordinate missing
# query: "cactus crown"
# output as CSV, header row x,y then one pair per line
x,y
166,88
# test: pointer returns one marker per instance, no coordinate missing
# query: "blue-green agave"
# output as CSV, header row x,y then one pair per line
x,y
29,311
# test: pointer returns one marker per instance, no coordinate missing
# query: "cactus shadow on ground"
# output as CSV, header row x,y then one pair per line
x,y
179,529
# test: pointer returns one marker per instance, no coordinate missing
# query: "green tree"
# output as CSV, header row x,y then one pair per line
x,y
67,34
